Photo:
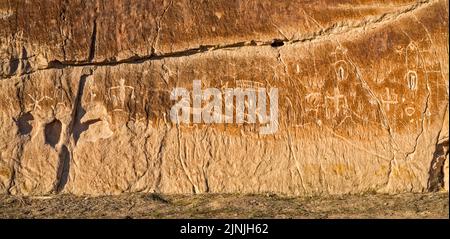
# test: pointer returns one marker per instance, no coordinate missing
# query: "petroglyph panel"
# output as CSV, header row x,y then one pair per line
x,y
362,105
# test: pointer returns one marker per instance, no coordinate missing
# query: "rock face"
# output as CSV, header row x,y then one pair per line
x,y
85,96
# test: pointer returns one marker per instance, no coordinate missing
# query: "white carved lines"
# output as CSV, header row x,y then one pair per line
x,y
341,70
36,101
314,101
412,56
117,94
389,100
409,111
338,100
246,84
412,80
340,65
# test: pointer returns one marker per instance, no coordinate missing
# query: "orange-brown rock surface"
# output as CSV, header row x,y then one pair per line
x,y
85,96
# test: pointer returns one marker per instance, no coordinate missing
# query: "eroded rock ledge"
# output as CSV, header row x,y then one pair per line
x,y
84,97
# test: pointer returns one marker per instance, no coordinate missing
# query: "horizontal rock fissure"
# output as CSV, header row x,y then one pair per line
x,y
335,29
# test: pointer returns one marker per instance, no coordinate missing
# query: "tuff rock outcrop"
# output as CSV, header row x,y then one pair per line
x,y
85,96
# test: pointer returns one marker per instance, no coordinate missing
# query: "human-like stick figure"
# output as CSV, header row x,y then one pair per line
x,y
121,90
336,98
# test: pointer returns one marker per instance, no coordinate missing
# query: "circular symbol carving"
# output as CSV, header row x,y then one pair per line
x,y
410,111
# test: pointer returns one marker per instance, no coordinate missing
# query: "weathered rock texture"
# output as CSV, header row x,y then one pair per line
x,y
84,96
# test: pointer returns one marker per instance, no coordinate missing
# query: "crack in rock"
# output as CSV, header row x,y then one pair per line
x,y
436,173
335,29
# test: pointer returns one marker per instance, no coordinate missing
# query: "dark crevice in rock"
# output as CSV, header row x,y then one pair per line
x,y
93,42
63,169
77,126
160,156
436,173
19,65
55,64
53,132
62,17
23,125
277,43
81,127
78,110
73,131
13,65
